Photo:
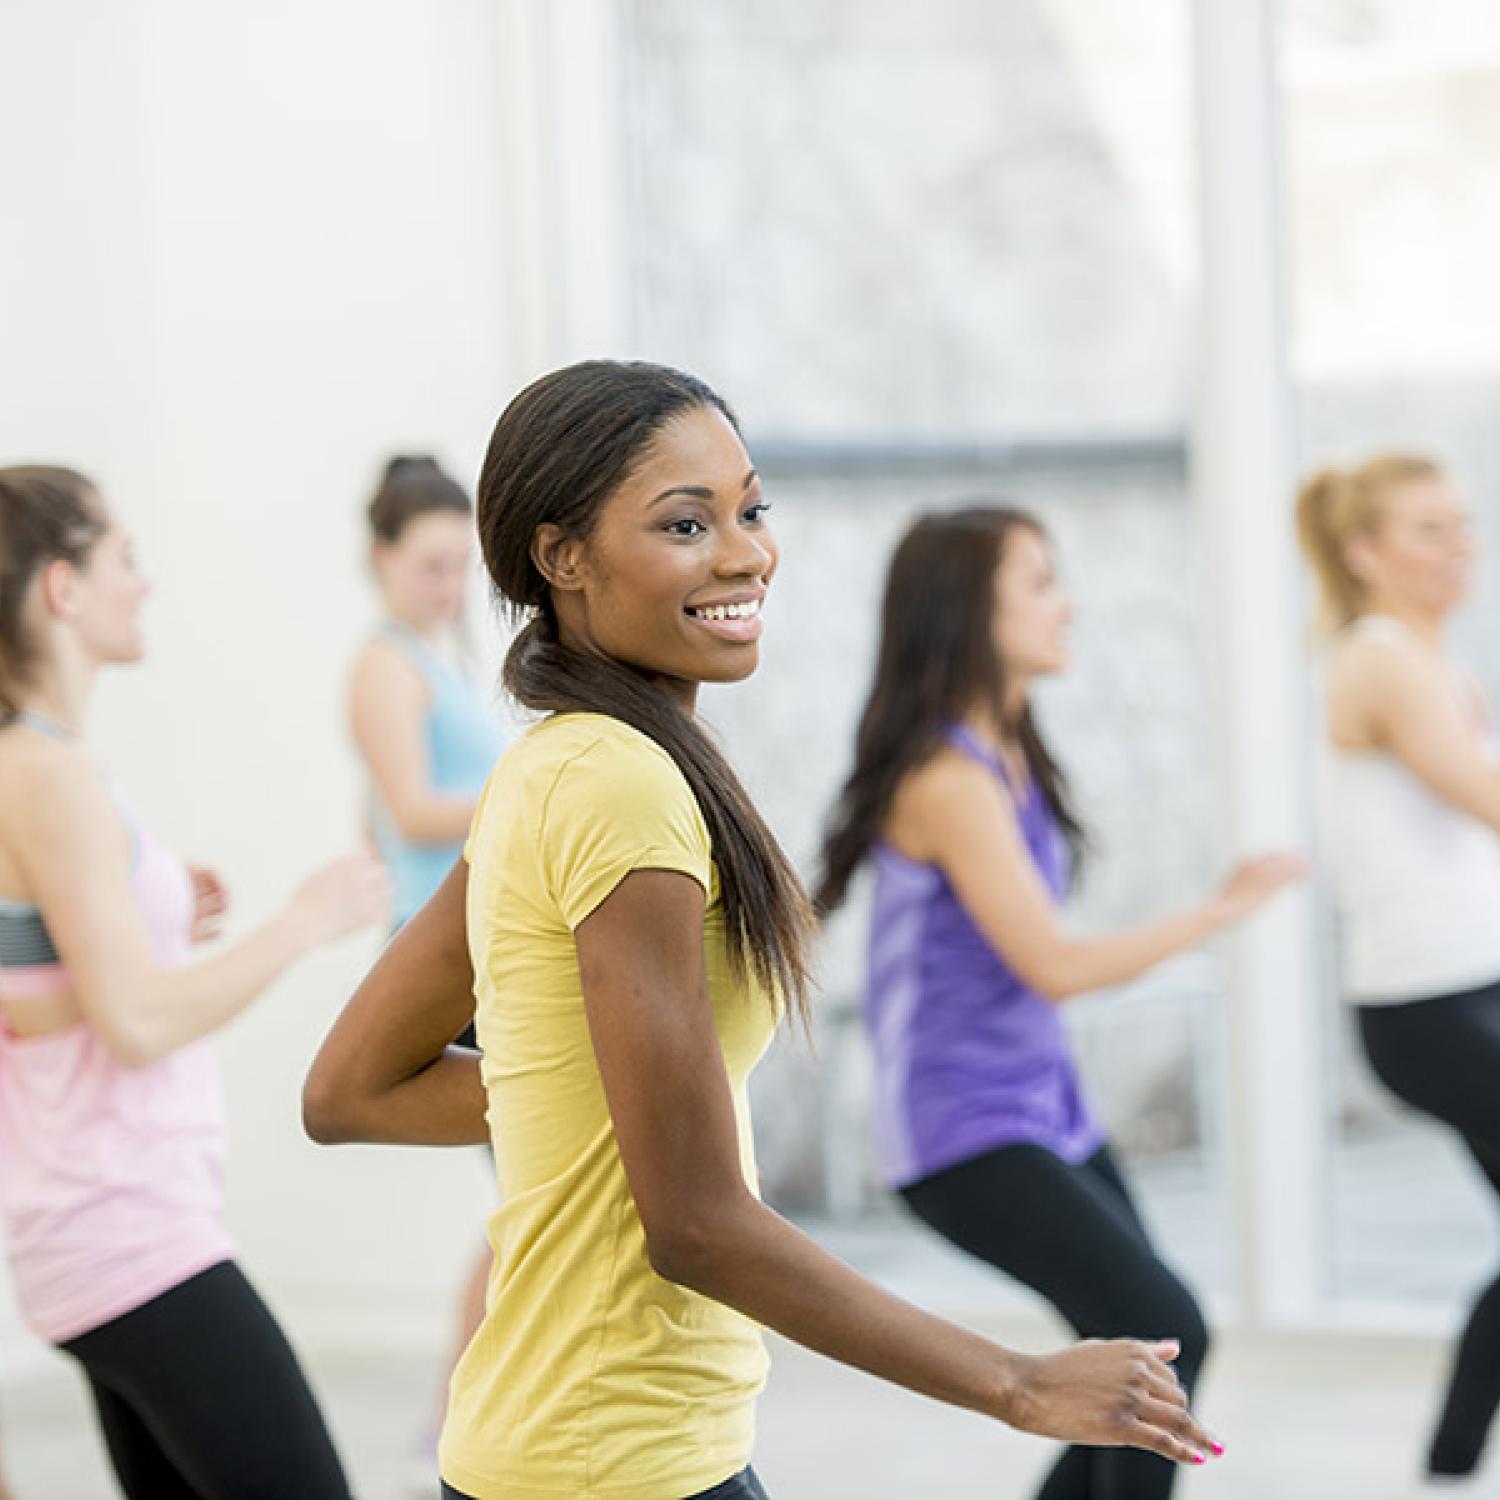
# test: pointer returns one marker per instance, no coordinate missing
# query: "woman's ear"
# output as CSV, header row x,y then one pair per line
x,y
558,558
57,585
1359,555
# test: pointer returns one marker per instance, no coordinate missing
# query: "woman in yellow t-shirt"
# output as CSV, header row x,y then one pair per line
x,y
628,933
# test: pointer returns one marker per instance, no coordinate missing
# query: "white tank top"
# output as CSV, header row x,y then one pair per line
x,y
1416,881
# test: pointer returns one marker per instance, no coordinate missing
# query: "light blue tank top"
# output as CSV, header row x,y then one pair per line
x,y
462,744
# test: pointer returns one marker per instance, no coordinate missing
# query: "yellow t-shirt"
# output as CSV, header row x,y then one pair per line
x,y
590,1376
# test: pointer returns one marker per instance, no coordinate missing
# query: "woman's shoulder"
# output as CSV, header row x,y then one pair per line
x,y
948,785
597,755
950,773
1375,652
32,763
1381,674
382,659
41,777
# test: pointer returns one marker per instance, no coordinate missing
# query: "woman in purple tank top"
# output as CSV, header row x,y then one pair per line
x,y
981,1124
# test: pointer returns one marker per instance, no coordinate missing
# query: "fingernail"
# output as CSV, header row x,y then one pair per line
x,y
1200,1458
1218,1449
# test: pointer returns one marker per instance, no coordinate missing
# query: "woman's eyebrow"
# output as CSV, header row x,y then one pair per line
x,y
697,491
701,491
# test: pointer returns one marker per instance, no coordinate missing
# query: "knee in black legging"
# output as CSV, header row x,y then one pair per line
x,y
1182,1319
1161,1307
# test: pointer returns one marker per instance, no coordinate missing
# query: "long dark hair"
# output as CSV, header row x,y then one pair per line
x,y
559,451
937,660
47,514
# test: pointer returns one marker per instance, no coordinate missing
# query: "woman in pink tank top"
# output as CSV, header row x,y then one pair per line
x,y
112,1134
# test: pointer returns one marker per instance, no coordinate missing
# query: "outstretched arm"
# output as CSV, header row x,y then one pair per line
x,y
646,994
970,830
74,852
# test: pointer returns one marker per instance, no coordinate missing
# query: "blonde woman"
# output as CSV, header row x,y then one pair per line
x,y
1411,794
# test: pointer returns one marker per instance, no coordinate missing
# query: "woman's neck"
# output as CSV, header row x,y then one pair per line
x,y
432,632
1002,733
59,697
983,725
682,692
1428,626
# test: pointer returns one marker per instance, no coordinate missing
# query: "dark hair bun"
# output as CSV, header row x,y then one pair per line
x,y
409,466
413,484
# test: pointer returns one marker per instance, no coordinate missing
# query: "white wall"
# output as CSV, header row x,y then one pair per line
x,y
248,252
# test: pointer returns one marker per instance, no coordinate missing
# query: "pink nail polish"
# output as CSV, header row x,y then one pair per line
x,y
1218,1449
1200,1458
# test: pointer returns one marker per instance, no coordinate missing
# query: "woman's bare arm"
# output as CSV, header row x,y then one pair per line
x,y
387,1071
67,839
1398,692
968,827
645,992
387,706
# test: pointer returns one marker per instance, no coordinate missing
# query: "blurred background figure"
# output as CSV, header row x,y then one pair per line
x,y
979,1115
112,1135
1411,796
425,731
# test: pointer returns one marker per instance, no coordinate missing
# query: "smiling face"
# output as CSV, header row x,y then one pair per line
x,y
671,577
1031,611
1420,557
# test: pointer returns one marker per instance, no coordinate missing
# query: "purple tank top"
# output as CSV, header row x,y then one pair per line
x,y
967,1057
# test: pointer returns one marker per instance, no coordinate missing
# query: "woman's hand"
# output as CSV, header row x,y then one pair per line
x,y
343,897
1253,882
210,902
1119,1394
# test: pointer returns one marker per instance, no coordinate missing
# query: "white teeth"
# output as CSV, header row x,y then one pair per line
x,y
745,611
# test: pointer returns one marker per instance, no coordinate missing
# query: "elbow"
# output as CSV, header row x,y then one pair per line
x,y
420,823
325,1114
1053,981
410,822
690,1248
680,1256
131,1046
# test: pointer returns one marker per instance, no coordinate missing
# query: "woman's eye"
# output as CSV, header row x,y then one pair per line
x,y
757,512
687,526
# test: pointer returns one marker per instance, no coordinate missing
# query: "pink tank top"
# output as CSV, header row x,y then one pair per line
x,y
110,1176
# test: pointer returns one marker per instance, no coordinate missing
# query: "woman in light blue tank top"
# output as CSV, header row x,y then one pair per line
x,y
424,729
461,744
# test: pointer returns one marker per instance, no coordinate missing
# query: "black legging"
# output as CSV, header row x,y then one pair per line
x,y
1072,1234
741,1486
201,1398
1442,1056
